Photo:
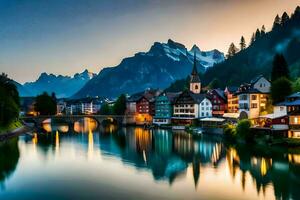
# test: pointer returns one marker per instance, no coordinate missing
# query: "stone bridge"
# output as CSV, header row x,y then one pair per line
x,y
71,119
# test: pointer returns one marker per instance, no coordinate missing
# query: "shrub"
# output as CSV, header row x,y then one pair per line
x,y
243,130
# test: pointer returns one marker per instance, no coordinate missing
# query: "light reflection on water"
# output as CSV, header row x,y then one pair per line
x,y
133,163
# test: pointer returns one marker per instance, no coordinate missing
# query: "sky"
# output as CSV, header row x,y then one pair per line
x,y
67,36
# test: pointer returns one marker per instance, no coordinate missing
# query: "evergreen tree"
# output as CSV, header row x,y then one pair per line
x,y
276,22
284,18
257,34
263,30
280,68
214,84
120,105
252,39
280,89
232,50
242,43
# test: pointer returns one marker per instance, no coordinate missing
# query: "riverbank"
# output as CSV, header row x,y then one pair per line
x,y
13,130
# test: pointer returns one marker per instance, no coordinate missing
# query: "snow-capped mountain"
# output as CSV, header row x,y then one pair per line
x,y
161,65
63,86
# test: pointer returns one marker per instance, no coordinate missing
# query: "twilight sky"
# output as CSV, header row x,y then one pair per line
x,y
68,36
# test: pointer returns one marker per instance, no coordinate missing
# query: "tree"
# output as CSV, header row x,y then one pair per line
x,y
276,23
263,30
296,85
45,104
280,88
284,19
257,34
105,109
232,50
120,105
280,67
214,84
252,39
242,43
9,101
243,130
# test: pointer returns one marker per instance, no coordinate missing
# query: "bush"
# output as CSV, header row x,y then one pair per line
x,y
229,131
243,130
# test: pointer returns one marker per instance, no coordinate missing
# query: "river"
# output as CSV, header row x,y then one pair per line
x,y
92,162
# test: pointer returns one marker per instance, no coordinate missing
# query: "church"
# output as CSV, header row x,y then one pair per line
x,y
191,104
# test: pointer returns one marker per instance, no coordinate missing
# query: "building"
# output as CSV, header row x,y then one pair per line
x,y
291,108
189,106
232,99
61,106
219,102
27,106
142,107
83,106
195,83
164,108
253,98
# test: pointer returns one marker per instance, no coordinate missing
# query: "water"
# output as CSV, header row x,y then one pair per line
x,y
132,163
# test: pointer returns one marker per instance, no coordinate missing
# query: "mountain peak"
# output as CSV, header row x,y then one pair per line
x,y
196,49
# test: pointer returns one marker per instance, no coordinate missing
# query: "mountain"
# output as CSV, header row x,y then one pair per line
x,y
23,92
157,68
258,57
63,86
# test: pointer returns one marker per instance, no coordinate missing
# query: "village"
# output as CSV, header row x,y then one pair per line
x,y
209,109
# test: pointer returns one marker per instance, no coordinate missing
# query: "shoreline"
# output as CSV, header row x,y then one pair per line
x,y
16,132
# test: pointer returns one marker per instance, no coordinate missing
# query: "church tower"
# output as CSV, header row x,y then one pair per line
x,y
195,83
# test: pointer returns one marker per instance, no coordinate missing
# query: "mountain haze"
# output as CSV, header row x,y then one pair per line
x,y
157,68
63,86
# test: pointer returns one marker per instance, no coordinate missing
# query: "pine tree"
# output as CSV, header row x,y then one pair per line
x,y
276,22
232,50
280,68
242,43
263,30
284,18
280,89
252,39
257,34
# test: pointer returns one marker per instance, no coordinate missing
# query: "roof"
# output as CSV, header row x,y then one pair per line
x,y
212,119
220,93
247,88
272,116
254,80
194,78
149,94
295,95
135,97
232,89
231,115
289,103
198,97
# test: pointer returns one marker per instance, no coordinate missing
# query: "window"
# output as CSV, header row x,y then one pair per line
x,y
207,114
253,97
296,120
253,105
196,87
202,114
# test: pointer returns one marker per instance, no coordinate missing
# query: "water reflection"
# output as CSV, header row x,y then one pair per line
x,y
191,167
9,157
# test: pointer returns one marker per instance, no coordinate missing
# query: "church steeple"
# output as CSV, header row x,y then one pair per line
x,y
195,83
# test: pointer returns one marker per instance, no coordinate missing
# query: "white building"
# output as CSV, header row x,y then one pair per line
x,y
253,97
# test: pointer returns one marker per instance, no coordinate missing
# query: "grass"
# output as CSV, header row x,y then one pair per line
x,y
10,127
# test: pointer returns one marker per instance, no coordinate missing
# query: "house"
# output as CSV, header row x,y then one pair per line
x,y
291,108
232,99
189,106
87,105
142,107
164,108
219,102
27,106
253,98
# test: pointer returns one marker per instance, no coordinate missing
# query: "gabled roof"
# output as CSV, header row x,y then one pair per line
x,y
198,97
232,89
253,81
220,93
171,95
295,95
289,103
